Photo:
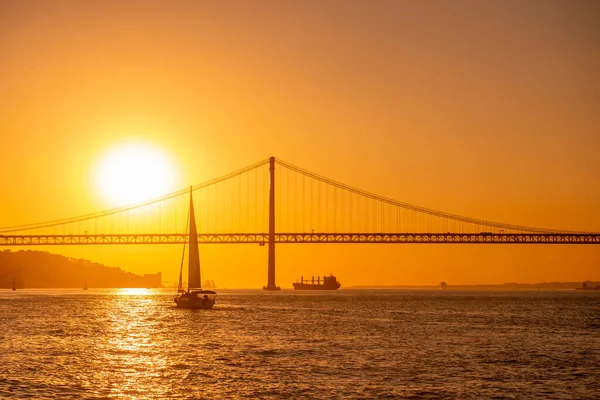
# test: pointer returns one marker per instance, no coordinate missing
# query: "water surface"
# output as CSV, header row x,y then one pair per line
x,y
344,344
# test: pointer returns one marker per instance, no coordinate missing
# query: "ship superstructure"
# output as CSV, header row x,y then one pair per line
x,y
328,283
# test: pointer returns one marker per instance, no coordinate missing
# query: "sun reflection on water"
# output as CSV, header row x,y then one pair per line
x,y
132,344
133,291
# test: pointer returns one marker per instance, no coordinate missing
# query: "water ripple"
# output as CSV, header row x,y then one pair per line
x,y
347,344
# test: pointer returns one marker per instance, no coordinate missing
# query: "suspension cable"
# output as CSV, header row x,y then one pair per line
x,y
418,209
118,210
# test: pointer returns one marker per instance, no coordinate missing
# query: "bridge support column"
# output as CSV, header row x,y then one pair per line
x,y
271,271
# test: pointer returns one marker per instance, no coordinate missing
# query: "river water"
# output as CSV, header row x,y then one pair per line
x,y
345,344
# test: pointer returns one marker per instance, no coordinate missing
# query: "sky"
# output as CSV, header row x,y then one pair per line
x,y
483,109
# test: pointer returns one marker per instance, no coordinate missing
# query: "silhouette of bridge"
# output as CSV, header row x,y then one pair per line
x,y
247,207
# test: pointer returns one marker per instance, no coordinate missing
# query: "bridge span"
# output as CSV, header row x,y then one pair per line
x,y
240,208
306,238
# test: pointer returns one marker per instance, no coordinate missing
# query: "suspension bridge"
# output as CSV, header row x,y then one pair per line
x,y
248,207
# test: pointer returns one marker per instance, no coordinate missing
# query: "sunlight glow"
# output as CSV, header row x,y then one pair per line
x,y
133,291
135,172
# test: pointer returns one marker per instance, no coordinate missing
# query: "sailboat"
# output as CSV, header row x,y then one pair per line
x,y
14,282
194,296
85,286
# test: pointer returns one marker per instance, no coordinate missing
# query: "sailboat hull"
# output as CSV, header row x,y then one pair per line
x,y
194,303
198,299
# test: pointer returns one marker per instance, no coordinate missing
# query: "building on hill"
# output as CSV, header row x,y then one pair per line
x,y
153,280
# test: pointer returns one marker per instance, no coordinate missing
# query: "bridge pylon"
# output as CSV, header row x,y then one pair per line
x,y
271,266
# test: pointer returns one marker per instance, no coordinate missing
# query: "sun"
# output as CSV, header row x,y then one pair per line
x,y
134,172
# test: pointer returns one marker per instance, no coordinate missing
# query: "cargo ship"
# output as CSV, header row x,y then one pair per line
x,y
328,283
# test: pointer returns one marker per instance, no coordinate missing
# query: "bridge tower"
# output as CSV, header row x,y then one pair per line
x,y
271,271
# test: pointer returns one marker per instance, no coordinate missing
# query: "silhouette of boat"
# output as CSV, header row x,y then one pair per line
x,y
210,284
194,296
85,286
14,283
329,283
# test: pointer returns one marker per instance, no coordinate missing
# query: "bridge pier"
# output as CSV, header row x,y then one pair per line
x,y
271,266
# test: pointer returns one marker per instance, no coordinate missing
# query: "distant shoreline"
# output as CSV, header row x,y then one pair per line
x,y
504,286
42,270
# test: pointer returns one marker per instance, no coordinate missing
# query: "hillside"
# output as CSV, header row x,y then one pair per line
x,y
37,269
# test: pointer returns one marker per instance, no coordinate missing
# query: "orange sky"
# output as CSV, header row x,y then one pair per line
x,y
483,109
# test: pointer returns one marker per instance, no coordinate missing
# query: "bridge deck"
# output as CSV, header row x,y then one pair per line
x,y
262,238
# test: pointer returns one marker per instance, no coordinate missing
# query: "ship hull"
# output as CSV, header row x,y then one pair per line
x,y
308,286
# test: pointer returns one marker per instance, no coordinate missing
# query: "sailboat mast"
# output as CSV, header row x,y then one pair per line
x,y
180,284
194,281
